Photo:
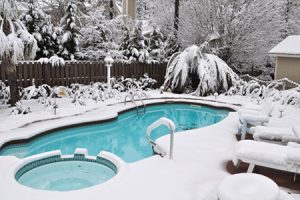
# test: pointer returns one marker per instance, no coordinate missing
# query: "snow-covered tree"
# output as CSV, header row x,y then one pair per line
x,y
99,35
292,13
137,47
70,38
125,37
156,45
242,25
214,75
171,46
40,26
15,43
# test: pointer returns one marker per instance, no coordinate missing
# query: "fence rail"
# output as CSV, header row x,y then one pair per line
x,y
81,72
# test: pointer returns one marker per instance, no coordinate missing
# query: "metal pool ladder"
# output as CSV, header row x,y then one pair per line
x,y
156,148
132,96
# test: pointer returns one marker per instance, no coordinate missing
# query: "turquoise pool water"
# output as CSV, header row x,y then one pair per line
x,y
125,136
66,176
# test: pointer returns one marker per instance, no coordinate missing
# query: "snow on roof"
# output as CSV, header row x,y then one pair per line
x,y
289,47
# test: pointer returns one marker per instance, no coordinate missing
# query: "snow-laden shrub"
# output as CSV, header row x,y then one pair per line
x,y
34,92
4,93
253,89
147,83
291,97
20,109
272,91
213,73
50,105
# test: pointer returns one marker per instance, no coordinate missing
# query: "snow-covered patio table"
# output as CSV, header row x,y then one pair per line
x,y
248,187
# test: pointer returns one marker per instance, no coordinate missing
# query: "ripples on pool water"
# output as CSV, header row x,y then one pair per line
x,y
125,136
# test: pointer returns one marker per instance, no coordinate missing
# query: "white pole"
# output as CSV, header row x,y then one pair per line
x,y
108,77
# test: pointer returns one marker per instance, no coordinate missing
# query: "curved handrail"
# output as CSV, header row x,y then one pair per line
x,y
170,124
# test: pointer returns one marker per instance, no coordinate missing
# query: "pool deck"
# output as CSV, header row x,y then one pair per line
x,y
199,164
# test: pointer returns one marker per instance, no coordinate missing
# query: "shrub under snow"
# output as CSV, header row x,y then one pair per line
x,y
20,109
4,93
271,91
213,73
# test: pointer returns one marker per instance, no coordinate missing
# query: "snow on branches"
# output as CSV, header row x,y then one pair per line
x,y
4,93
214,74
40,26
70,37
16,42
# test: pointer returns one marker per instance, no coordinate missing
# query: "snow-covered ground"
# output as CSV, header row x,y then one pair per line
x,y
200,155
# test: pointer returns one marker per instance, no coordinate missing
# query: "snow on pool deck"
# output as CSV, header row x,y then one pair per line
x,y
199,163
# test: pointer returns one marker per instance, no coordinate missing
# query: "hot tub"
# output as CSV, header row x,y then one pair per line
x,y
64,173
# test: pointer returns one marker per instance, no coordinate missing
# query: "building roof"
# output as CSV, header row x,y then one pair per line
x,y
289,47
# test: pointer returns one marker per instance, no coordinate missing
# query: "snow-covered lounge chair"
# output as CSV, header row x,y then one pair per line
x,y
249,118
276,135
275,156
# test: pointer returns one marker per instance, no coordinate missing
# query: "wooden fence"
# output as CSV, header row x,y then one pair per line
x,y
81,72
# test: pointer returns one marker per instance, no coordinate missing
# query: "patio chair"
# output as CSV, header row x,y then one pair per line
x,y
276,134
280,157
249,118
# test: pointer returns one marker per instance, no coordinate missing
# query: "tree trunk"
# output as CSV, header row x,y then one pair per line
x,y
176,16
11,72
10,69
111,5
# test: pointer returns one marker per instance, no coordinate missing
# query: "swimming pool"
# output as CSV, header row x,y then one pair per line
x,y
124,137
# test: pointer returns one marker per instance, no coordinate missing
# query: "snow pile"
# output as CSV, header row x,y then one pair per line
x,y
214,74
4,93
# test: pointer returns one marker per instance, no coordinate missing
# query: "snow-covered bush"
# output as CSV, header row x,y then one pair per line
x,y
20,109
147,83
213,74
34,92
272,91
49,105
4,93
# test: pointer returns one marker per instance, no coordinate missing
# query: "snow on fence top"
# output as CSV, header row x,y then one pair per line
x,y
289,47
